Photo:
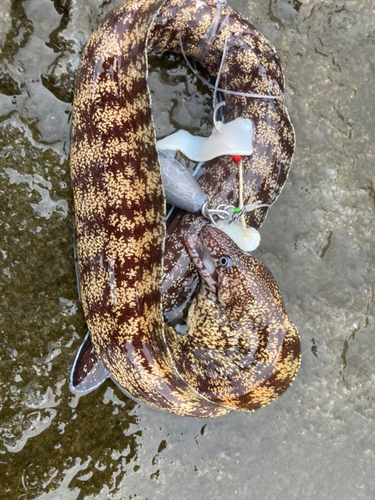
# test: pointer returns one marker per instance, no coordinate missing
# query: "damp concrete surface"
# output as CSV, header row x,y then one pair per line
x,y
318,440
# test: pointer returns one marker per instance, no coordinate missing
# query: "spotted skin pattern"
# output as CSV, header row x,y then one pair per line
x,y
119,198
251,66
240,348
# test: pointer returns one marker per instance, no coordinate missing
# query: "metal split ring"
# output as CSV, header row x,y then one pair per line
x,y
223,212
229,213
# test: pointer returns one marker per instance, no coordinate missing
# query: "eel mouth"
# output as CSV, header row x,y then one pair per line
x,y
202,260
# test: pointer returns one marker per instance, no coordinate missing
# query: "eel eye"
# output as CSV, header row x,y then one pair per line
x,y
225,262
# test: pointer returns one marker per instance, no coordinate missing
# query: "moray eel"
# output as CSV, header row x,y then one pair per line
x,y
251,66
120,216
240,349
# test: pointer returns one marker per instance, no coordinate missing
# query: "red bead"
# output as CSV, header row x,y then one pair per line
x,y
236,158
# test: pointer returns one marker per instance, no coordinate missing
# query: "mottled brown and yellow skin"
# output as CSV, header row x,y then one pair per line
x,y
251,66
240,349
119,199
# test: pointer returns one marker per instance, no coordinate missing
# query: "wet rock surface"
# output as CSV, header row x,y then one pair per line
x,y
318,439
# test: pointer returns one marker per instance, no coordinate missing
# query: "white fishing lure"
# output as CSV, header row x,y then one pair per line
x,y
232,138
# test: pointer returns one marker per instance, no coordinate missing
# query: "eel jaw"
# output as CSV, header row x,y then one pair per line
x,y
202,260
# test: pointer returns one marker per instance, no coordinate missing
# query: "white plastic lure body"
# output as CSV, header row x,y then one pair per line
x,y
232,138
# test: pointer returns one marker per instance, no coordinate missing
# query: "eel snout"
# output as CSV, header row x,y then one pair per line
x,y
202,259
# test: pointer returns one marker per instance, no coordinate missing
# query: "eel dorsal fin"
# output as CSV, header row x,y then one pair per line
x,y
87,371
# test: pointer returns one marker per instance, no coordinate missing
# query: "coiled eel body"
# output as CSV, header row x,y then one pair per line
x,y
240,349
251,66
